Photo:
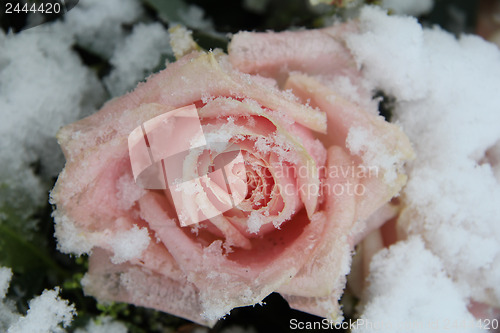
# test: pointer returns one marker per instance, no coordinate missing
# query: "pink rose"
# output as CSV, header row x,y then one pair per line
x,y
315,166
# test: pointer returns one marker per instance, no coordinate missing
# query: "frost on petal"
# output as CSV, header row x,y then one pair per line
x,y
379,145
96,151
239,278
375,151
99,179
275,55
320,283
168,292
322,54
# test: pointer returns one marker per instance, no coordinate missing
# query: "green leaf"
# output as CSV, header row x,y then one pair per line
x,y
23,245
168,11
22,255
208,40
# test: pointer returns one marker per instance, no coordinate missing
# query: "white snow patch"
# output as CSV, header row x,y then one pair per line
x,y
447,101
194,17
181,41
8,312
129,244
255,221
139,54
409,291
99,25
69,237
374,152
43,85
5,276
47,313
385,44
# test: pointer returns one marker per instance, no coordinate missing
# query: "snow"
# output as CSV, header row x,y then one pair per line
x,y
129,244
278,144
47,312
68,235
254,222
138,55
399,39
100,25
181,41
374,152
8,313
447,102
126,244
194,17
410,291
43,85
5,276
343,86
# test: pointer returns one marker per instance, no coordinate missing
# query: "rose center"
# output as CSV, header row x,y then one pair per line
x,y
259,185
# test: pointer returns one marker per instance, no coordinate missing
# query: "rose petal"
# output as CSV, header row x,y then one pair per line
x,y
132,284
276,55
239,278
342,117
318,286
